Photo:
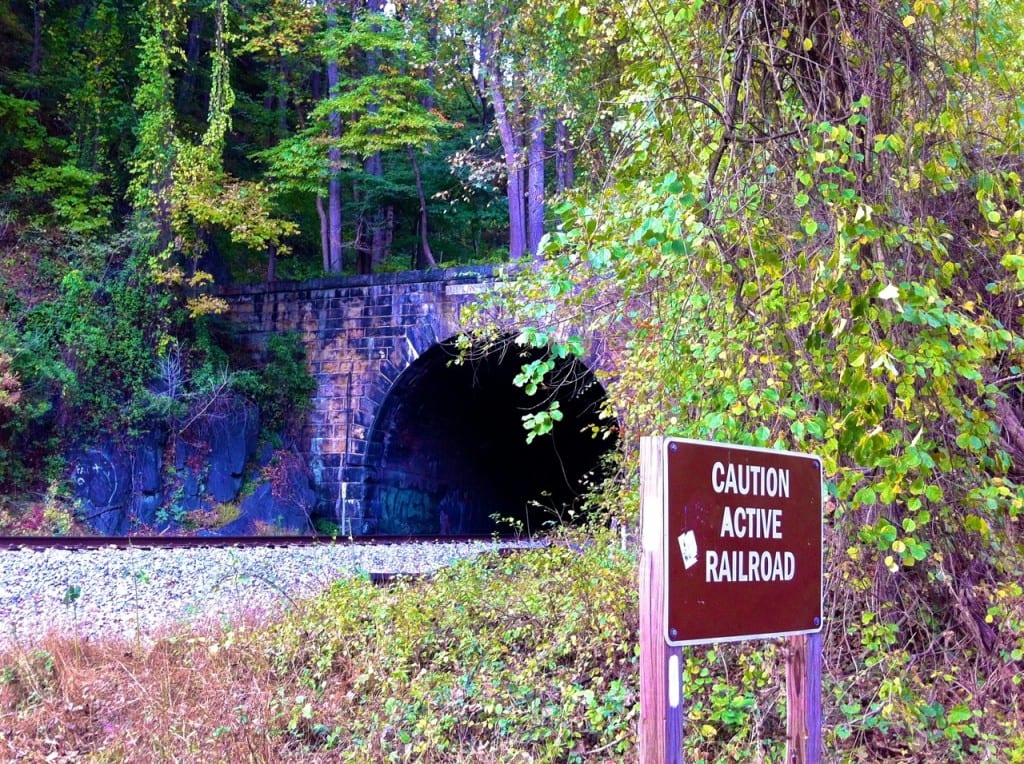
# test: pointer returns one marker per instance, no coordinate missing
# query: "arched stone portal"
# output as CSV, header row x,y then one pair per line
x,y
393,424
447,452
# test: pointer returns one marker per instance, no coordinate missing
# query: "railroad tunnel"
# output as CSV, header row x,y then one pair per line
x,y
447,453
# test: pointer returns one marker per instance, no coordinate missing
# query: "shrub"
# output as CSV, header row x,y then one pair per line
x,y
283,388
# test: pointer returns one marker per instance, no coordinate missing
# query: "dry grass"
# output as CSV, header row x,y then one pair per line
x,y
187,699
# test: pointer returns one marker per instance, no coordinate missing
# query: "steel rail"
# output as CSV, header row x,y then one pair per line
x,y
71,543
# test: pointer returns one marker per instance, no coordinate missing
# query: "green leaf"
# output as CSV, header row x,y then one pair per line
x,y
959,714
865,497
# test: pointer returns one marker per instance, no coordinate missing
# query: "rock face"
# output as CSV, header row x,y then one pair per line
x,y
126,487
211,454
120,488
283,503
102,478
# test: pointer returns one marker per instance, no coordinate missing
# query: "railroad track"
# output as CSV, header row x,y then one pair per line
x,y
213,542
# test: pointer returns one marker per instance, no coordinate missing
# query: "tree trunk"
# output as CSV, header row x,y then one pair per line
x,y
35,66
535,184
430,72
481,79
271,263
192,50
362,248
275,101
282,103
334,220
512,149
377,253
325,239
565,169
374,164
389,228
426,257
513,164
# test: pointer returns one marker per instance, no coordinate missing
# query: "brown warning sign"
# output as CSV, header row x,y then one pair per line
x,y
743,542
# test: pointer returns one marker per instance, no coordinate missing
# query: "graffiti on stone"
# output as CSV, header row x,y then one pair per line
x,y
406,511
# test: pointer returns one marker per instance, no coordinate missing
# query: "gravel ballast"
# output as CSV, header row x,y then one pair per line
x,y
133,594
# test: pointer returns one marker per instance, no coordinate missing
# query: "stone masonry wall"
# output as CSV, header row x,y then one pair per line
x,y
360,334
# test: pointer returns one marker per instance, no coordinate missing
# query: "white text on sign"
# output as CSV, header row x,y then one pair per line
x,y
751,523
750,480
748,566
734,565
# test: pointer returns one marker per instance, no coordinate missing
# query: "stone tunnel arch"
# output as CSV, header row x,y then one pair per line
x,y
377,347
447,452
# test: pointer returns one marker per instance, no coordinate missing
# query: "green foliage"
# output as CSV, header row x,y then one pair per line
x,y
803,230
521,657
382,108
97,339
735,703
457,670
34,675
71,196
31,376
154,145
22,135
165,110
202,194
283,388
542,422
80,333
792,263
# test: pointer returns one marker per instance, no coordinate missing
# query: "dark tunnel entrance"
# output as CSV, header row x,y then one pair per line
x,y
448,452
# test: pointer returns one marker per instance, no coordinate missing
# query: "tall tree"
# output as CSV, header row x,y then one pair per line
x,y
383,104
507,119
534,69
154,154
332,220
535,188
182,183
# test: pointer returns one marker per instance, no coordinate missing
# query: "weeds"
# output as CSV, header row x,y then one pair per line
x,y
525,658
530,657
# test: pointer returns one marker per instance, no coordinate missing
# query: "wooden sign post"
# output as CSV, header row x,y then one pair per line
x,y
803,699
731,550
661,669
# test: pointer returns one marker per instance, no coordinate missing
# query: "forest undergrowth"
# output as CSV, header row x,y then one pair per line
x,y
531,657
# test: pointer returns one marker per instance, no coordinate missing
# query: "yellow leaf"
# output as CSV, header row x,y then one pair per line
x,y
909,21
808,43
